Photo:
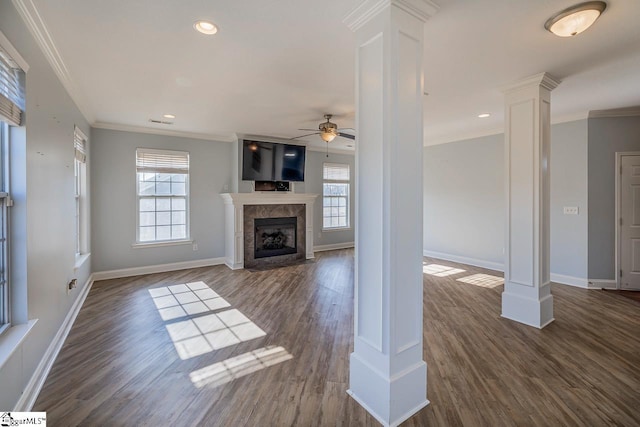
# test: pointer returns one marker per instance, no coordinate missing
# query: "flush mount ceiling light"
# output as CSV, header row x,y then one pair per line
x,y
168,116
484,115
575,19
205,27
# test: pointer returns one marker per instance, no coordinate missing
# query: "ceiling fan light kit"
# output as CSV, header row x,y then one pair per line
x,y
575,19
327,131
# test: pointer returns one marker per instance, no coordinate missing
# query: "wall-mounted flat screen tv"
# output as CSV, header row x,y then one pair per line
x,y
270,161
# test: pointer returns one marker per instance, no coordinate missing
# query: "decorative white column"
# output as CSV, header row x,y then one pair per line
x,y
527,291
387,374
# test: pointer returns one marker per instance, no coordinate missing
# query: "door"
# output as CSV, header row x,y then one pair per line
x,y
630,222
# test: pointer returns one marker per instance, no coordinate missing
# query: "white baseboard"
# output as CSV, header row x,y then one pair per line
x,y
159,268
602,284
32,390
334,246
578,282
465,260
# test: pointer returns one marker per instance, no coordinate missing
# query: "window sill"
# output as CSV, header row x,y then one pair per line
x,y
160,244
330,230
80,260
11,339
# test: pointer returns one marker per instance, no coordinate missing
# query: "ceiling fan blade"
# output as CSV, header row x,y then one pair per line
x,y
302,136
346,135
310,130
341,129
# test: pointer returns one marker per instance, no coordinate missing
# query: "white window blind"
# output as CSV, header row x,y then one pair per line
x,y
80,145
12,99
335,196
161,161
163,195
335,172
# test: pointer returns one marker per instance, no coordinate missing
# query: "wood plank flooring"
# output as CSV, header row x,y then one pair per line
x,y
121,364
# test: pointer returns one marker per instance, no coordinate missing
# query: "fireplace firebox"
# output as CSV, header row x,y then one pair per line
x,y
275,236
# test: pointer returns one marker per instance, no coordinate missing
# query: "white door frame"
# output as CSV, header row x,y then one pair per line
x,y
618,247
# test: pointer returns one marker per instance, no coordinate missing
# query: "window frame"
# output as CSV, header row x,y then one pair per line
x,y
5,203
80,143
346,182
165,242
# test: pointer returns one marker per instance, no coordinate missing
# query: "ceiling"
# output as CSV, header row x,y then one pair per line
x,y
276,66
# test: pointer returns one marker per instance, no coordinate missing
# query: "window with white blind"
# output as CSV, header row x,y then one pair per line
x,y
12,99
80,173
163,195
335,191
12,107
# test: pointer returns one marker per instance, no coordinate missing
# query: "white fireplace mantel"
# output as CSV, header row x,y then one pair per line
x,y
234,220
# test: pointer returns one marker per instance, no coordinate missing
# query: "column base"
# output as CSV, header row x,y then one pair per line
x,y
533,312
391,401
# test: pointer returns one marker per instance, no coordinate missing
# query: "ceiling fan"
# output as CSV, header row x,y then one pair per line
x,y
327,131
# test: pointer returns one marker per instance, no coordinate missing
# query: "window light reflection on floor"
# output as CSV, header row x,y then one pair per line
x,y
239,366
440,270
482,280
201,333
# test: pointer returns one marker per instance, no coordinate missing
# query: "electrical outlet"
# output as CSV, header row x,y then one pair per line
x,y
571,210
71,285
195,246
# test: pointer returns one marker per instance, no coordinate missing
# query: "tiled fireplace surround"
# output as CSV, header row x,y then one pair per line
x,y
240,211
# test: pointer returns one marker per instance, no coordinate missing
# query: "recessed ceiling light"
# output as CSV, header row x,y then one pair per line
x,y
575,19
205,27
484,115
168,116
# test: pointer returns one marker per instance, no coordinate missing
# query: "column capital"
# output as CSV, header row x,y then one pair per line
x,y
365,11
544,80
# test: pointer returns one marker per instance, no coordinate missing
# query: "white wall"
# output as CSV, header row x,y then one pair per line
x,y
44,211
114,199
464,201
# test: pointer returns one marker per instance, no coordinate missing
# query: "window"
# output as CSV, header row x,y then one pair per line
x,y
80,172
335,192
12,106
163,190
4,231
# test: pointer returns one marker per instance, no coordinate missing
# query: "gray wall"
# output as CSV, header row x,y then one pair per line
x,y
313,184
114,199
606,137
44,213
569,188
464,199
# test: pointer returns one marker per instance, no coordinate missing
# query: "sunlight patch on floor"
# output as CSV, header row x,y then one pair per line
x,y
440,270
186,299
482,280
203,331
235,367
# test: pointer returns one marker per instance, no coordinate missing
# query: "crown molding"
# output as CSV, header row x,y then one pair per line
x,y
6,45
542,79
462,136
582,115
31,17
165,132
616,112
365,11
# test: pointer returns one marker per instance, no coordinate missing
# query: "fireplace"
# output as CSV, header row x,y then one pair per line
x,y
275,236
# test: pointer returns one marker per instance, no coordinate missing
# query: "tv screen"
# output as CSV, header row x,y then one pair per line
x,y
269,161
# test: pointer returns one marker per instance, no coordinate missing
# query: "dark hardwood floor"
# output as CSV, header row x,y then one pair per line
x,y
271,348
